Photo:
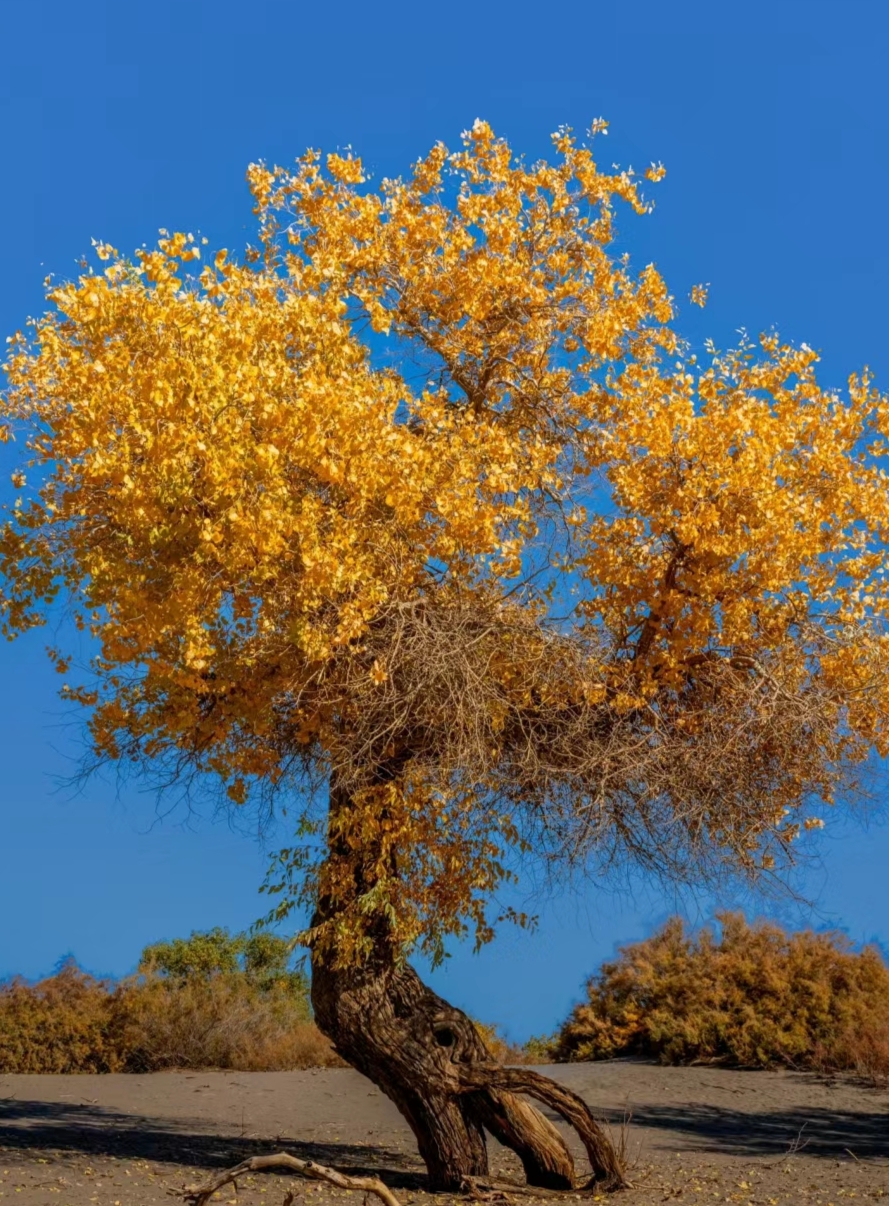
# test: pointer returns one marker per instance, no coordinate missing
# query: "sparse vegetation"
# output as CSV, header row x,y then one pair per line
x,y
212,1000
750,996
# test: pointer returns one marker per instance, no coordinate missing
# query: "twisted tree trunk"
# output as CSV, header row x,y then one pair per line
x,y
430,1060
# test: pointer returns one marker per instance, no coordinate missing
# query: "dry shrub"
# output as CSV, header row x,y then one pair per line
x,y
865,1052
219,1022
537,1050
756,996
62,1024
500,1048
72,1022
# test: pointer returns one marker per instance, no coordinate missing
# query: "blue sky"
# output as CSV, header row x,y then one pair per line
x,y
117,119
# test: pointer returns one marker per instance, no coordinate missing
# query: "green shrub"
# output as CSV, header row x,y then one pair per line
x,y
262,959
540,1049
755,996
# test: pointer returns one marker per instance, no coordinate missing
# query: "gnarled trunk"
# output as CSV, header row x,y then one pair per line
x,y
415,1047
430,1060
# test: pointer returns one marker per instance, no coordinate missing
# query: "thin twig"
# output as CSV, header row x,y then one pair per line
x,y
796,1146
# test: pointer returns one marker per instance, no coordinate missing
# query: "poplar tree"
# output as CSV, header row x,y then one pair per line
x,y
421,517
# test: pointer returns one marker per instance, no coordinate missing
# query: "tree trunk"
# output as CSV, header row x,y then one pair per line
x,y
414,1046
430,1060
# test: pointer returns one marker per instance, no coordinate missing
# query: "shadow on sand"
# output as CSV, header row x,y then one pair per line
x,y
816,1132
36,1126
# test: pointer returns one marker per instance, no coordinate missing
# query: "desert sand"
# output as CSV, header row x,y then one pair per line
x,y
695,1135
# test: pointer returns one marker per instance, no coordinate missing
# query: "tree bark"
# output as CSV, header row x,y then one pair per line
x,y
430,1060
418,1049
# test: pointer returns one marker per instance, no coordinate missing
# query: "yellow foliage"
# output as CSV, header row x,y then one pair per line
x,y
258,483
756,997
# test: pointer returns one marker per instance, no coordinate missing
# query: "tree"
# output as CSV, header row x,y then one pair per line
x,y
424,515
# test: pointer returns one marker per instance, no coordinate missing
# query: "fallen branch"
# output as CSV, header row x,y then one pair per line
x,y
199,1195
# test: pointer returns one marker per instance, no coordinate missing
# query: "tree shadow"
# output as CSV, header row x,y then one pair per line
x,y
64,1129
61,1128
816,1132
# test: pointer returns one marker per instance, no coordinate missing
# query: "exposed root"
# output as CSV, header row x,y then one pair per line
x,y
481,1193
507,1190
605,1160
199,1195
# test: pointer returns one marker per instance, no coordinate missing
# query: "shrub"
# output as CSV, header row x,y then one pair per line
x,y
262,959
221,1021
756,996
213,1000
501,1049
540,1049
62,1024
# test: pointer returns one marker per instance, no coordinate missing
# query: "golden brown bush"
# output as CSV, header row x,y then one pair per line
x,y
62,1024
756,996
72,1022
504,1051
222,1021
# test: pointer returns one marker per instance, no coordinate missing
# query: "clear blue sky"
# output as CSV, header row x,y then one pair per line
x,y
773,121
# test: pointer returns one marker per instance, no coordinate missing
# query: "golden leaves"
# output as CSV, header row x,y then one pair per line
x,y
699,295
378,673
428,862
346,170
447,383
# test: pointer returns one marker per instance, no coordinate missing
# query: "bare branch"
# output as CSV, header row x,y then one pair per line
x,y
199,1195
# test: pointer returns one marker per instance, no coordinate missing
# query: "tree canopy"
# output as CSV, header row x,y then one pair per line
x,y
425,496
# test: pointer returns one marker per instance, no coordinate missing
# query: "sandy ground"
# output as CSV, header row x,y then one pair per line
x,y
696,1135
